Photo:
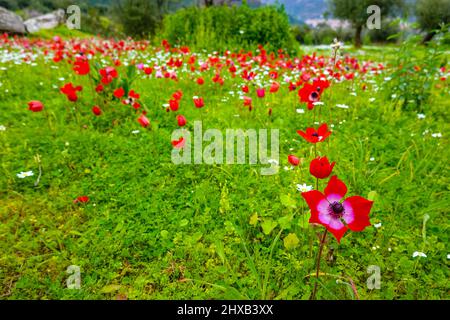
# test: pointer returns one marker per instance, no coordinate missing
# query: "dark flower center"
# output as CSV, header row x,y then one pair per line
x,y
315,134
337,209
314,96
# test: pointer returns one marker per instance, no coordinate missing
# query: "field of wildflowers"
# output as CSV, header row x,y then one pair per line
x,y
355,208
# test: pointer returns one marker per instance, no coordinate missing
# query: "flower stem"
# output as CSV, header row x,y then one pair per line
x,y
322,243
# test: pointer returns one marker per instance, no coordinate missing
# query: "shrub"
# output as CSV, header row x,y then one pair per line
x,y
223,27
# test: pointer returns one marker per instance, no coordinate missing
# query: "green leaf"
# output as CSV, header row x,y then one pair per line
x,y
285,222
254,219
184,222
164,234
372,195
110,288
287,201
268,225
291,241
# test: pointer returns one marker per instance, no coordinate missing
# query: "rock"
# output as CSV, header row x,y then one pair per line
x,y
10,22
47,21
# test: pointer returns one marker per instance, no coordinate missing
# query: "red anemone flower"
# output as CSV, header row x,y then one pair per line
x,y
35,106
274,87
96,110
321,168
336,213
119,93
309,94
293,160
261,92
179,143
312,135
178,95
143,120
82,199
174,105
71,92
199,102
181,120
81,66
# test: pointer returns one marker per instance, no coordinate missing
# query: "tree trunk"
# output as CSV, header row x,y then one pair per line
x,y
428,37
358,41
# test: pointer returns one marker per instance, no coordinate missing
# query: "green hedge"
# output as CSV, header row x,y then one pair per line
x,y
223,27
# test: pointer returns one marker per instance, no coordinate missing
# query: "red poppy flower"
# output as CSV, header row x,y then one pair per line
x,y
179,143
81,66
199,103
247,101
96,110
119,93
70,91
293,160
245,89
35,106
143,120
82,199
181,120
321,168
336,213
312,135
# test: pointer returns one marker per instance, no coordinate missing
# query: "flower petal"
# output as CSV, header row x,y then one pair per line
x,y
313,198
361,208
338,229
336,186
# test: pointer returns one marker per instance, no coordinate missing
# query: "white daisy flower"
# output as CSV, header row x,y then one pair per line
x,y
419,254
377,225
420,116
342,106
300,110
25,174
304,187
135,131
2,128
436,135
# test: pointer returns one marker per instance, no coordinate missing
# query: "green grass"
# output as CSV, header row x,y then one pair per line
x,y
154,230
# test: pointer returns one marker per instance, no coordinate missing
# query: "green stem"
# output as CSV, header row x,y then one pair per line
x,y
319,256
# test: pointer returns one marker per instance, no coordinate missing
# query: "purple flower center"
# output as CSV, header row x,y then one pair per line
x,y
337,209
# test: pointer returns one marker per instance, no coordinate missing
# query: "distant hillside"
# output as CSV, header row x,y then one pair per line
x,y
301,10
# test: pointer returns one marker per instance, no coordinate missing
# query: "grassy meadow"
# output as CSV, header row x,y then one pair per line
x,y
155,230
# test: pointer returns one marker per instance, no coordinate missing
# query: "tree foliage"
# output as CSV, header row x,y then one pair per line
x,y
355,11
431,13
